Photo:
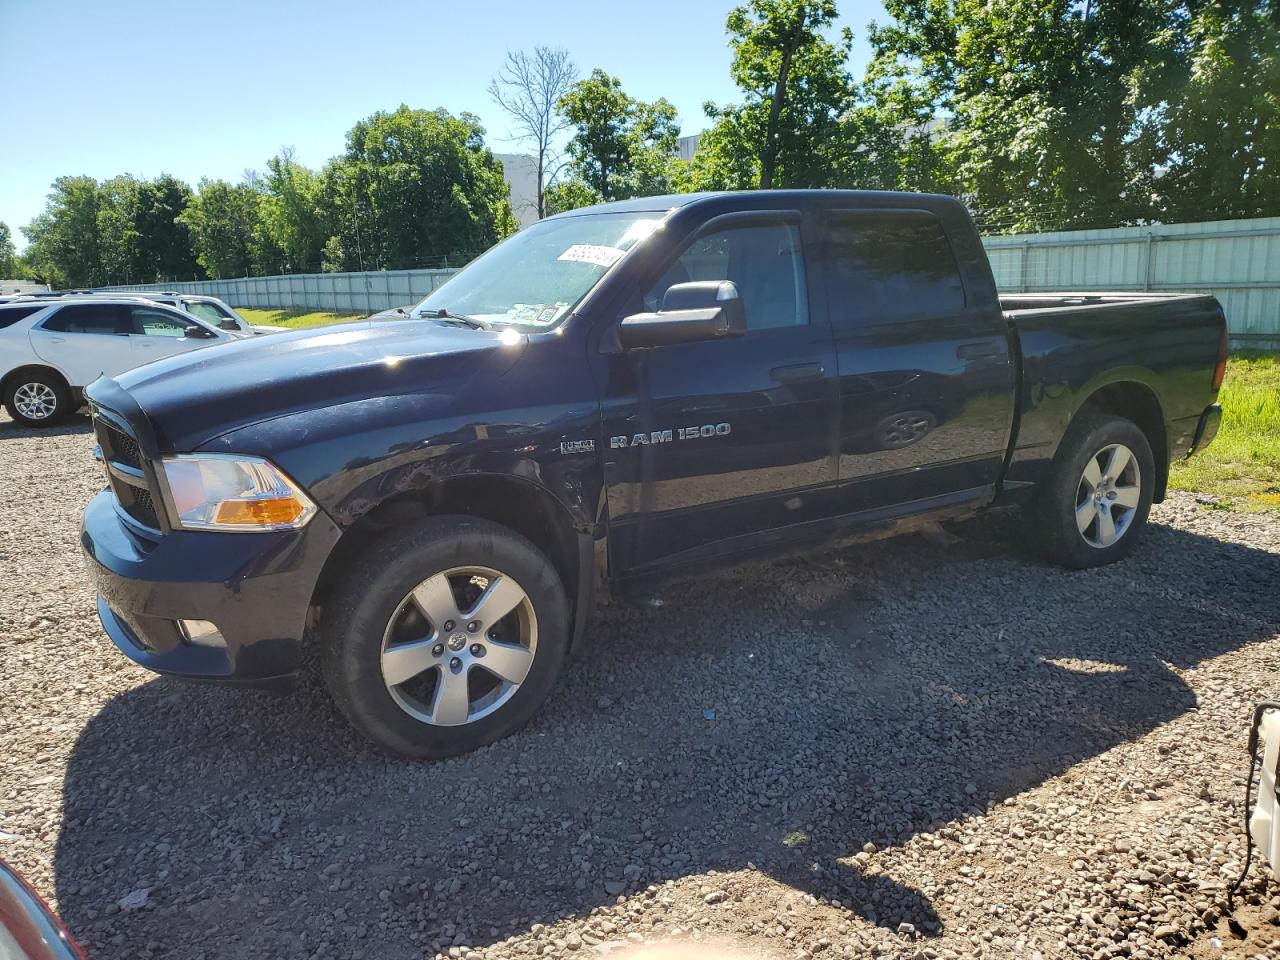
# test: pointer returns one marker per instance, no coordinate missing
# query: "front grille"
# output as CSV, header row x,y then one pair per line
x,y
126,473
120,447
137,503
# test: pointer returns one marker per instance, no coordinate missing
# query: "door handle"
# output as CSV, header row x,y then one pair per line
x,y
797,373
976,351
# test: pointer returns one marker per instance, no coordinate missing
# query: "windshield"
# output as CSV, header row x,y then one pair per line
x,y
537,276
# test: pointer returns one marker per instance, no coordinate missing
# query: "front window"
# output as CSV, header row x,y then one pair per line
x,y
537,277
211,314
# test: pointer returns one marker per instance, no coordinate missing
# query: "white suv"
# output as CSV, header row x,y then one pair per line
x,y
50,350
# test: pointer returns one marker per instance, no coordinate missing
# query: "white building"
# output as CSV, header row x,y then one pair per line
x,y
521,174
10,287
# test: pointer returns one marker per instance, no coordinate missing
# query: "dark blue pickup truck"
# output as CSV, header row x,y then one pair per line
x,y
627,391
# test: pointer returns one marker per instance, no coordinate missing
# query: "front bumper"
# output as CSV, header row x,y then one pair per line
x,y
256,588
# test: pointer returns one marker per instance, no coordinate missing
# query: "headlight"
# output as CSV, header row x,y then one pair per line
x,y
233,493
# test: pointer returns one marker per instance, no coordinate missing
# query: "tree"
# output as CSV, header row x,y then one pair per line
x,y
528,88
163,249
570,195
63,241
118,238
223,218
621,147
1072,115
292,219
1219,138
796,88
8,255
414,187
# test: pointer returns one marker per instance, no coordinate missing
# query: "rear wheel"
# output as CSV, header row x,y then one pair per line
x,y
37,399
1094,504
448,637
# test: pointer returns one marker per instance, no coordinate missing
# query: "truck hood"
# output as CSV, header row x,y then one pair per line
x,y
192,398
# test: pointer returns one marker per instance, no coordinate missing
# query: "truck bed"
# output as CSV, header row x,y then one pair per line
x,y
1158,348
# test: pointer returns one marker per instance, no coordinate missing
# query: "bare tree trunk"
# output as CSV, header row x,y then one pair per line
x,y
769,156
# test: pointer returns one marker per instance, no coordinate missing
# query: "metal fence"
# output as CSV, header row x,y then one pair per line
x,y
335,292
1236,260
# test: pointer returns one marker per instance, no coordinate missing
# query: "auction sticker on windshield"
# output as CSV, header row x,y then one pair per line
x,y
596,253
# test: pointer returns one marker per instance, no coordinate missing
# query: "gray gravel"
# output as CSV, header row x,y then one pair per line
x,y
903,749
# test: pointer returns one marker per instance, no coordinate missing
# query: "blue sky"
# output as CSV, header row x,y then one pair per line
x,y
210,89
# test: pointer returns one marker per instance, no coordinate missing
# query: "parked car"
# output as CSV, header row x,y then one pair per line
x,y
29,930
614,394
51,347
211,310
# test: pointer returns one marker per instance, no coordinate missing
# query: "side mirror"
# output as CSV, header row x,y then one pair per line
x,y
194,332
226,323
703,310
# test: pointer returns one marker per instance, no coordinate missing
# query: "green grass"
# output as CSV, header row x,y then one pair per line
x,y
1242,465
296,319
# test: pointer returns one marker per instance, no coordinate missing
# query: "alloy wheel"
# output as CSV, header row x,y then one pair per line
x,y
35,401
459,646
1108,495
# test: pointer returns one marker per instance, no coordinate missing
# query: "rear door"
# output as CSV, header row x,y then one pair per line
x,y
713,445
85,341
926,375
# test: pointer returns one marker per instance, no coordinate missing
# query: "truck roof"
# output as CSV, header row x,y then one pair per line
x,y
671,201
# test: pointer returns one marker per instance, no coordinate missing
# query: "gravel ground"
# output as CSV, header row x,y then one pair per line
x,y
911,748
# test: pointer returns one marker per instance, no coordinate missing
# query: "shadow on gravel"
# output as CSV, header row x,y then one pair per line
x,y
76,423
861,696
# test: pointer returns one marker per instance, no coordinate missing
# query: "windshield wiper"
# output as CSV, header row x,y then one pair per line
x,y
444,314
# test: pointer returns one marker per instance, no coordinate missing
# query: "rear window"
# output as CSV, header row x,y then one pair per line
x,y
91,318
886,267
11,315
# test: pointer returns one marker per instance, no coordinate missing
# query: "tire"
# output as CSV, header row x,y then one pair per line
x,y
1083,516
392,616
37,399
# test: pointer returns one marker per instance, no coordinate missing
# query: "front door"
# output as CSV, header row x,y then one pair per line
x,y
158,334
711,446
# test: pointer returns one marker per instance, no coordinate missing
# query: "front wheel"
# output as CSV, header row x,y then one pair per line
x,y
1092,507
446,637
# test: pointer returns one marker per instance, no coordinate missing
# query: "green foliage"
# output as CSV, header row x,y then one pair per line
x,y
63,241
122,230
569,195
621,147
292,217
8,257
788,131
222,219
1075,115
414,187
1221,136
